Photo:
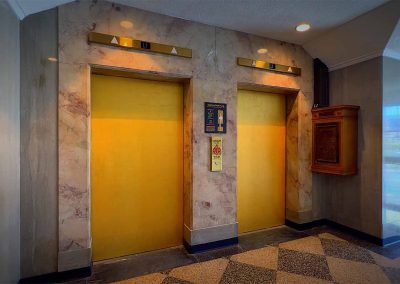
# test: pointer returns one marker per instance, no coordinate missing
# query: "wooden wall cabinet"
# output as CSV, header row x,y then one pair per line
x,y
335,139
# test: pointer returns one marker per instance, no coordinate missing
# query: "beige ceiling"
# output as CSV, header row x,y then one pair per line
x,y
268,18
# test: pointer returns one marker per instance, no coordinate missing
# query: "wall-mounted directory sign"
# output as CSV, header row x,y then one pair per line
x,y
216,153
130,43
214,118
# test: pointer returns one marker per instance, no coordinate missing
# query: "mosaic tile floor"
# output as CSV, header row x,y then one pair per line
x,y
319,258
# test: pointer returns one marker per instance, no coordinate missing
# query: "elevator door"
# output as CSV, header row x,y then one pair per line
x,y
260,160
136,166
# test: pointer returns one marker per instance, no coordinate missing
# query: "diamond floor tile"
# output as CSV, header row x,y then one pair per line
x,y
392,273
330,237
291,278
347,271
384,261
247,274
155,278
345,250
205,272
309,244
302,263
265,257
172,280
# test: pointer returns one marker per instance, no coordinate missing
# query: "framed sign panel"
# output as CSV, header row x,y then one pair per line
x,y
214,118
216,153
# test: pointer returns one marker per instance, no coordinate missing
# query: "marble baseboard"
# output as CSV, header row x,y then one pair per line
x,y
211,234
74,259
299,217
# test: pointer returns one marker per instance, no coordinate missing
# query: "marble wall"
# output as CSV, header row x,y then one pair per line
x,y
214,76
9,145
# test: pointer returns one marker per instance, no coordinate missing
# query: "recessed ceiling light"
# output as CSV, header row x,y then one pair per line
x,y
303,27
126,24
52,59
262,50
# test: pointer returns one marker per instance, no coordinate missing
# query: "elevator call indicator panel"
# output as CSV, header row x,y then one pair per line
x,y
216,153
215,118
263,65
135,44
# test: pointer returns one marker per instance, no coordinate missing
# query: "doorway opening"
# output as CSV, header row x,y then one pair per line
x,y
261,159
137,162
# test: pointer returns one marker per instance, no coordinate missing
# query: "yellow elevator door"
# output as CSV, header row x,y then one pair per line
x,y
260,160
136,165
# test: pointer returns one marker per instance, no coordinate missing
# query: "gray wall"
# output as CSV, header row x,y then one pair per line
x,y
39,91
9,146
356,201
391,147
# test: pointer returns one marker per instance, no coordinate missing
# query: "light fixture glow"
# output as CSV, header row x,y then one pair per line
x,y
303,27
126,41
262,50
52,59
126,24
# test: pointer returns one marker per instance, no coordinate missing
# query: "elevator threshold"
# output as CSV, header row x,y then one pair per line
x,y
136,255
262,230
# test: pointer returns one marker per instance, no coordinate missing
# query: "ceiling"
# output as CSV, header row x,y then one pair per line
x,y
274,19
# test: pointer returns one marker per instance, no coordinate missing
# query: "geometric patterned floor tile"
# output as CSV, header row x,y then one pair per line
x,y
290,278
204,272
384,261
345,250
330,237
392,273
155,278
247,274
316,259
306,264
265,257
172,280
347,271
308,244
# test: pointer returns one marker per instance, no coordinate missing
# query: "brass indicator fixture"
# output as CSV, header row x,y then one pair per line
x,y
258,64
129,43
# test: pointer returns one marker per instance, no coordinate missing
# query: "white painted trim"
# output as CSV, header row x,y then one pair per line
x,y
355,60
16,7
211,234
388,52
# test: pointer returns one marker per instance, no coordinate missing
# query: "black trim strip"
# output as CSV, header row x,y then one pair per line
x,y
211,245
304,226
378,241
354,232
59,276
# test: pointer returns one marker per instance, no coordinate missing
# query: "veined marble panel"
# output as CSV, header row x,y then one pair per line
x,y
210,197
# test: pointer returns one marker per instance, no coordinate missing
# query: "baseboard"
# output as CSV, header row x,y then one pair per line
x,y
59,276
210,234
211,245
74,259
355,232
304,226
372,239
